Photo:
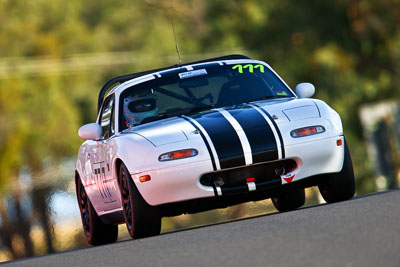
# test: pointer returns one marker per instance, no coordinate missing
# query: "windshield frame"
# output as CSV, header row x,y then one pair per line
x,y
163,75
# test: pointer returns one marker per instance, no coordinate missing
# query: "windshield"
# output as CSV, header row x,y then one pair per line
x,y
179,92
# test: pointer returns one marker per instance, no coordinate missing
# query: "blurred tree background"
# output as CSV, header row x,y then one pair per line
x,y
55,55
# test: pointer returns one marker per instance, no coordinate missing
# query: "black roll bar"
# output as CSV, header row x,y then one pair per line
x,y
127,77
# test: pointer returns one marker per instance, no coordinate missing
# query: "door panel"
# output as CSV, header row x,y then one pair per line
x,y
107,193
101,182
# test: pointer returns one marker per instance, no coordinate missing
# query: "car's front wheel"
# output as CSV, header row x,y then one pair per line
x,y
142,219
289,200
335,187
96,232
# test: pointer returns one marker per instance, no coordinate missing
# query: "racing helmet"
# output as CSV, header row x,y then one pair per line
x,y
140,106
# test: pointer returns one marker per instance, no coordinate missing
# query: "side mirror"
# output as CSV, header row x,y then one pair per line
x,y
305,90
91,131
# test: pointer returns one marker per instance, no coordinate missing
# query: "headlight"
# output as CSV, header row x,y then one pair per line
x,y
306,131
179,154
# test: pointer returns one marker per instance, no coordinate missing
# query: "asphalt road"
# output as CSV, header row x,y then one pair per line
x,y
364,231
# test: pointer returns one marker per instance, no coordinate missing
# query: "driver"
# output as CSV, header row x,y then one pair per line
x,y
140,106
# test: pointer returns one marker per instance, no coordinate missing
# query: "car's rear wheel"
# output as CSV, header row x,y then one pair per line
x,y
335,187
96,232
142,219
289,200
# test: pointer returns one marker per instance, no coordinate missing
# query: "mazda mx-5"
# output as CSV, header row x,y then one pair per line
x,y
205,135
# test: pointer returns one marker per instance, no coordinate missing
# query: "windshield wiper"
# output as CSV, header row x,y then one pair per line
x,y
190,110
154,118
175,113
201,108
263,98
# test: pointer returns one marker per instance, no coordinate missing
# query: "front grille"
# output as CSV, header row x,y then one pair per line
x,y
264,174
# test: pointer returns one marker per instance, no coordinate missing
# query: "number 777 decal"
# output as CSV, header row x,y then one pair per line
x,y
248,66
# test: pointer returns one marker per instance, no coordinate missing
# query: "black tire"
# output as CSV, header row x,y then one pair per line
x,y
335,187
289,200
142,219
96,232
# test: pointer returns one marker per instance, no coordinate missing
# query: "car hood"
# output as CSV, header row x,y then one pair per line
x,y
178,129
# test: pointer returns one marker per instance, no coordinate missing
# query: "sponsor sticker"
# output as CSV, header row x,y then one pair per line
x,y
288,178
193,73
281,93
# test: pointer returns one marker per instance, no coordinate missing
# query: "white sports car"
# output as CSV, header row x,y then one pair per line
x,y
201,136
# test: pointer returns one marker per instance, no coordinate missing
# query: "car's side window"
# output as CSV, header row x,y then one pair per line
x,y
107,118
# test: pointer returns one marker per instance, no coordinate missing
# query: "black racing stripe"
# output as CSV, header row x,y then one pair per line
x,y
207,145
258,132
276,128
224,138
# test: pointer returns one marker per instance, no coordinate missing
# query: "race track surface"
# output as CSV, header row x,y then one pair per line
x,y
364,231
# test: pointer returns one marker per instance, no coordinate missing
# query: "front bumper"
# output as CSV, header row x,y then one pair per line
x,y
183,182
